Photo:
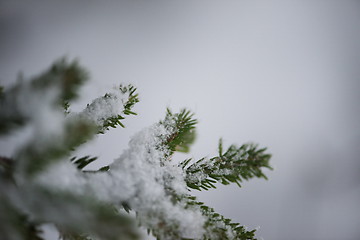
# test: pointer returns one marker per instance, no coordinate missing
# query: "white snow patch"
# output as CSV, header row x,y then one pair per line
x,y
104,107
141,177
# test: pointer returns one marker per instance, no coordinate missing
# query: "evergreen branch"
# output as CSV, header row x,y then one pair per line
x,y
18,225
62,75
83,205
104,169
66,106
15,223
128,104
73,236
79,216
11,115
219,227
182,126
133,98
69,76
1,91
233,166
216,226
109,110
6,169
34,159
83,161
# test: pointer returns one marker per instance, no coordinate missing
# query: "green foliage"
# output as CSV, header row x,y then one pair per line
x,y
6,169
63,76
18,223
83,161
66,106
54,207
233,166
82,217
1,91
128,104
102,220
184,130
10,119
69,76
75,134
219,227
132,98
74,236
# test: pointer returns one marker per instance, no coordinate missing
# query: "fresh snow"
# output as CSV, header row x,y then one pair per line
x,y
141,177
104,107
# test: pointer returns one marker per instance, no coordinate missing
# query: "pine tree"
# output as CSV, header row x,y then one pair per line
x,y
45,182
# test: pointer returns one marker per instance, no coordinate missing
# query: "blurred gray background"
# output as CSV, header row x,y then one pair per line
x,y
284,74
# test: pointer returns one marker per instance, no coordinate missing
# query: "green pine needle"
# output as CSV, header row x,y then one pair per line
x,y
233,166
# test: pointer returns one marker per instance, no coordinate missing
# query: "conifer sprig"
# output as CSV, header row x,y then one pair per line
x,y
62,76
69,76
116,113
1,91
19,223
11,116
233,166
132,98
45,95
83,161
78,216
33,159
128,104
6,169
86,205
219,227
182,126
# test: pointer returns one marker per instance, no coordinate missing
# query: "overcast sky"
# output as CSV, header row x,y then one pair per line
x,y
284,74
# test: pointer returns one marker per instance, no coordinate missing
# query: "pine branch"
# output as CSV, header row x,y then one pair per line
x,y
69,76
6,169
233,166
128,104
132,99
219,227
1,91
83,204
182,126
215,226
11,115
15,224
83,161
109,110
33,159
66,106
63,77
79,215
73,236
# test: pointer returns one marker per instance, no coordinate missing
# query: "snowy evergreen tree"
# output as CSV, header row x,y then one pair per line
x,y
44,182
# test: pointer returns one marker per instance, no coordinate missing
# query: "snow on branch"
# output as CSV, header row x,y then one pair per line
x,y
233,166
139,178
182,125
109,110
217,226
42,183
